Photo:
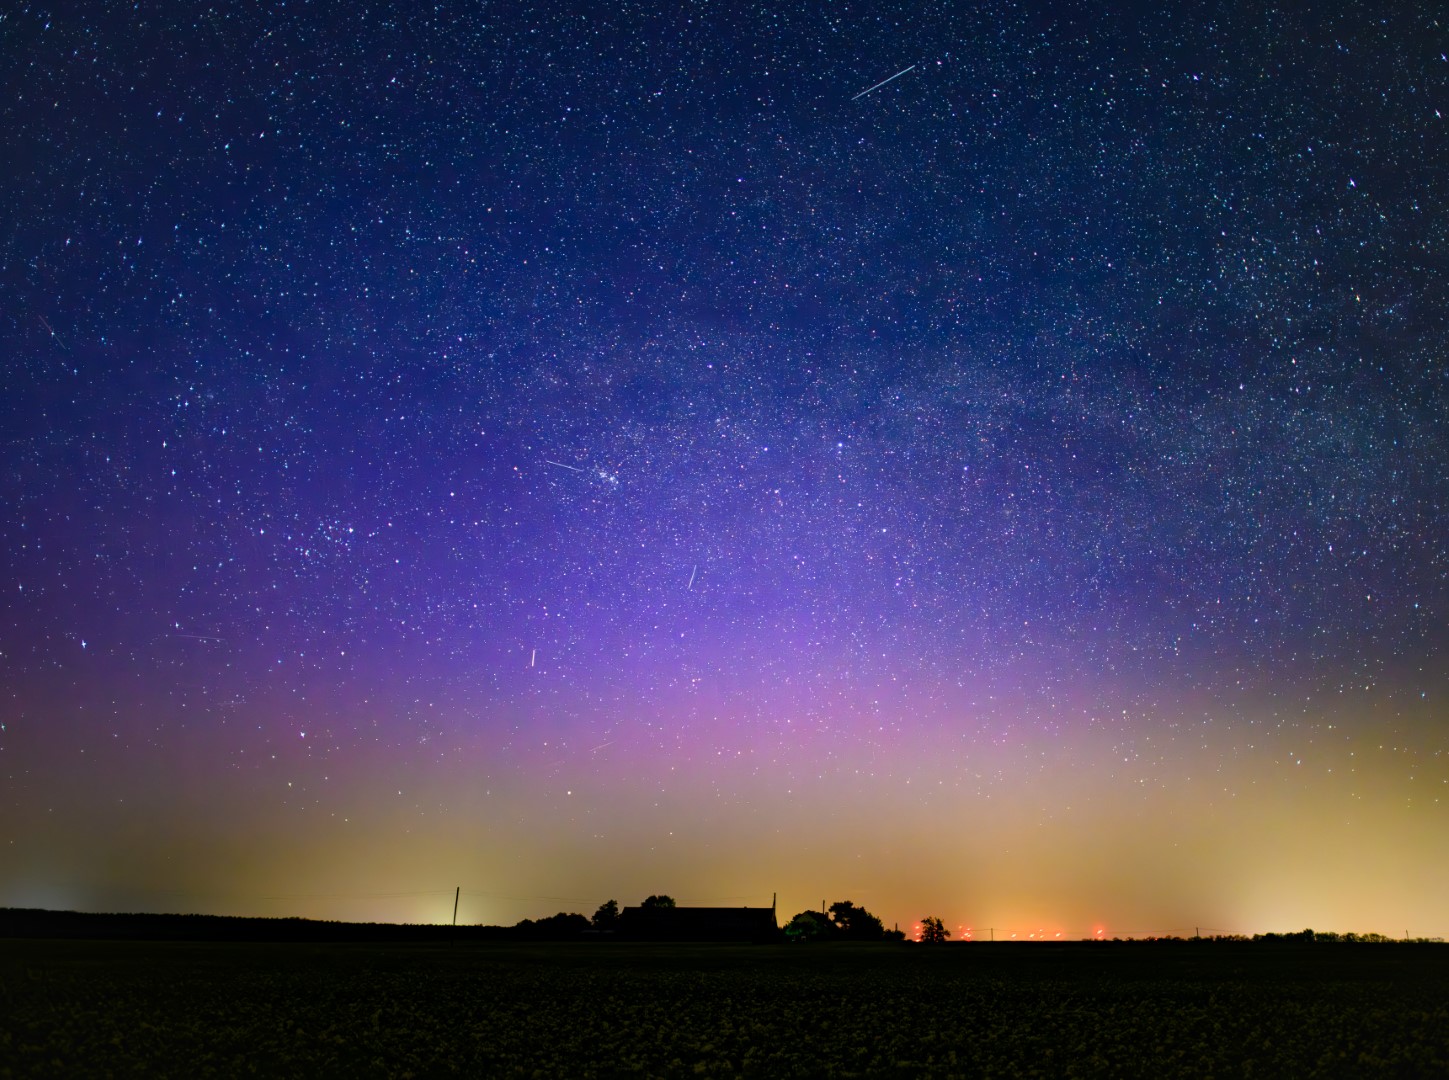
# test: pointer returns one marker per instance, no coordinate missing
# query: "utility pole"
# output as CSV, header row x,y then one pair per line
x,y
456,893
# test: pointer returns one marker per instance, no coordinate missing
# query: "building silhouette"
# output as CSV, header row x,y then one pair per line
x,y
726,924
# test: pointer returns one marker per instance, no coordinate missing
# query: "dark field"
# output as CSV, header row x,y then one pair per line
x,y
76,1008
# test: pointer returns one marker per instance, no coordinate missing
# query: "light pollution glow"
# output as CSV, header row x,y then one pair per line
x,y
1246,829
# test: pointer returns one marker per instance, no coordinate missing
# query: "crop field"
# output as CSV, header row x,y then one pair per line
x,y
70,1008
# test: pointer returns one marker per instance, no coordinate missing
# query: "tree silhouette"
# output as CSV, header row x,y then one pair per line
x,y
607,916
855,923
933,931
660,901
809,926
565,926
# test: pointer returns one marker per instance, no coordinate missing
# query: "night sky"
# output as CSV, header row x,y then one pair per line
x,y
573,453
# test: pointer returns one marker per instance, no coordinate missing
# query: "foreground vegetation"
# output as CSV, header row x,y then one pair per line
x,y
71,1008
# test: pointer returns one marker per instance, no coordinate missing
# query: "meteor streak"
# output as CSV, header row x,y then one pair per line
x,y
878,85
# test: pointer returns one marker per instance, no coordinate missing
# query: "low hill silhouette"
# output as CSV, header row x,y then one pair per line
x,y
137,926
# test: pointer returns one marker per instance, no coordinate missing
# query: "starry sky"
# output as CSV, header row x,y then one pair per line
x,y
572,453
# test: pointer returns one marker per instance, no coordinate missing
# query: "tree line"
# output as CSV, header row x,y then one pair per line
x,y
842,921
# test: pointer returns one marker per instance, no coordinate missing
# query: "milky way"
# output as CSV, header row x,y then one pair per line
x,y
582,455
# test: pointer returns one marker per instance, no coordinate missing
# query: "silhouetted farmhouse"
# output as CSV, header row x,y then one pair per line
x,y
742,924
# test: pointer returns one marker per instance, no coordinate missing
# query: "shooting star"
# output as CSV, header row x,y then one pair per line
x,y
561,465
878,85
51,330
197,637
596,749
690,586
533,659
